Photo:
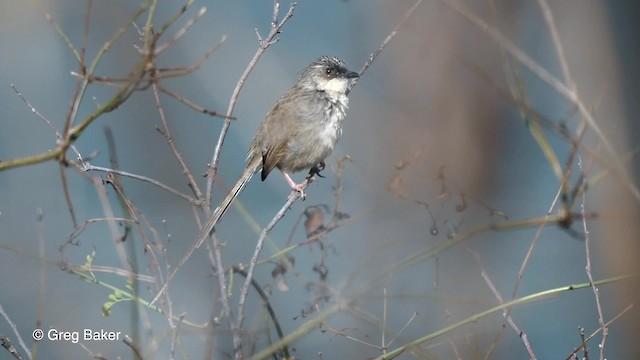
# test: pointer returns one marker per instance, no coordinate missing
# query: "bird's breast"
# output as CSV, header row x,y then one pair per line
x,y
331,128
318,134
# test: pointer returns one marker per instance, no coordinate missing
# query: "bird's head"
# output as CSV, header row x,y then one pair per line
x,y
328,74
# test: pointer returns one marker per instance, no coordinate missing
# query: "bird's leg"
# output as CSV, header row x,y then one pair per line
x,y
298,187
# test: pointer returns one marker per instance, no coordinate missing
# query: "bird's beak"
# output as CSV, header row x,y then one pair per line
x,y
352,75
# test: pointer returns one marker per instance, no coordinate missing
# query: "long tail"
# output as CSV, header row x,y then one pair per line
x,y
248,172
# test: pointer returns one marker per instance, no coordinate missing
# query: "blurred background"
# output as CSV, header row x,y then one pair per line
x,y
458,150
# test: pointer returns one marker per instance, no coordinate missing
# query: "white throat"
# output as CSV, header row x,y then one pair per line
x,y
336,87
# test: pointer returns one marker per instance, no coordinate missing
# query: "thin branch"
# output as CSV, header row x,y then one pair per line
x,y
89,167
166,130
521,334
555,37
42,280
272,314
295,195
596,293
276,28
586,341
6,343
341,332
222,284
174,338
67,194
53,128
524,264
386,42
384,321
36,112
404,327
13,327
60,32
189,103
169,22
132,345
447,314
85,35
111,270
162,47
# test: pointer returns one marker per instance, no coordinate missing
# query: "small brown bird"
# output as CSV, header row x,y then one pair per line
x,y
299,131
297,134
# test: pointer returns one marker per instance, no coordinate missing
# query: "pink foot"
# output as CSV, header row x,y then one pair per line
x,y
298,187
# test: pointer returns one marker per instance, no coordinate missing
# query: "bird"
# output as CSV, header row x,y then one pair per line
x,y
298,133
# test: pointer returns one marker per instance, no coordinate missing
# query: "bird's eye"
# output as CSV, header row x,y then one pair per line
x,y
328,71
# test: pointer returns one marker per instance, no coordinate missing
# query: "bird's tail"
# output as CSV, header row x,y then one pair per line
x,y
251,168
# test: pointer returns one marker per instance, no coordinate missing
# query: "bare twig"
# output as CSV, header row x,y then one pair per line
x,y
384,321
112,225
295,195
162,47
85,35
222,284
521,334
341,332
596,293
36,112
133,346
447,314
586,341
89,167
42,281
404,327
525,262
6,343
548,17
13,327
338,189
265,300
57,133
111,270
386,42
189,103
166,131
276,28
67,194
174,338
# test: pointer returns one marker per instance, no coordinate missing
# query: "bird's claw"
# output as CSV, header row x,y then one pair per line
x,y
300,188
315,170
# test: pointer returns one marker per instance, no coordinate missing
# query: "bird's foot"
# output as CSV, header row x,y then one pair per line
x,y
315,170
299,188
